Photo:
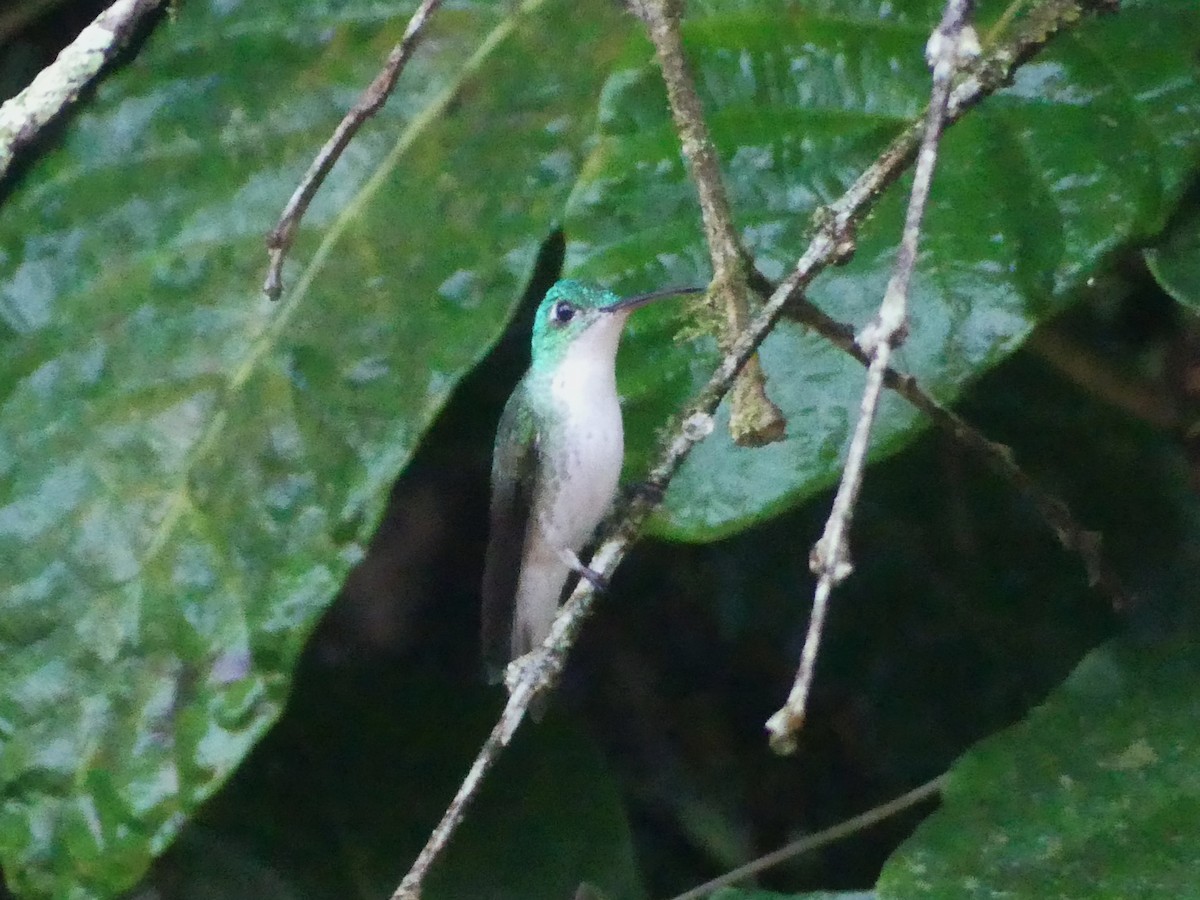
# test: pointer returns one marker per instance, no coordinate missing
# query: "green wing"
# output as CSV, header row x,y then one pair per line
x,y
514,480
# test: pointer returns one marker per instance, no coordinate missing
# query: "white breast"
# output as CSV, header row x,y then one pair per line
x,y
584,393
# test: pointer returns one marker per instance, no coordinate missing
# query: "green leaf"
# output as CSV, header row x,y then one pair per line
x,y
1096,793
1175,262
187,471
1086,151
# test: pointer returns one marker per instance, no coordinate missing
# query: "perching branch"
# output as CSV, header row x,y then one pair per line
x,y
832,242
754,420
952,42
59,84
503,731
280,240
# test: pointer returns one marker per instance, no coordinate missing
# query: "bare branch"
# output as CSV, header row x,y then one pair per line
x,y
280,240
830,559
489,753
754,420
59,84
998,458
1092,372
813,841
832,242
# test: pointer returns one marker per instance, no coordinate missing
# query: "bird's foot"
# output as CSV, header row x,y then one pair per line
x,y
647,491
528,667
598,581
514,672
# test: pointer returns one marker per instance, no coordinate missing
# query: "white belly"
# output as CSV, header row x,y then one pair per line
x,y
583,459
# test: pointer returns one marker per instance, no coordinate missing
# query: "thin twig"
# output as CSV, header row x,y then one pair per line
x,y
831,243
830,559
279,241
858,823
754,420
1096,374
997,457
60,83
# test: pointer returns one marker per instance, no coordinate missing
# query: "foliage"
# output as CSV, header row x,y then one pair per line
x,y
187,472
1175,261
1096,794
801,106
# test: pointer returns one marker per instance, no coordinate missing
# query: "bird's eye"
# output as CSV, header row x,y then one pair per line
x,y
562,312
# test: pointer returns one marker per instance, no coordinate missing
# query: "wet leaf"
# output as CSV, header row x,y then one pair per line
x,y
1087,151
1095,794
187,471
1175,262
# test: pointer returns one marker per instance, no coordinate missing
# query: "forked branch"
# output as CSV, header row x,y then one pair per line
x,y
832,241
753,420
952,43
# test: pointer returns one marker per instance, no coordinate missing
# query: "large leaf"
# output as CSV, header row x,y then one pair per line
x,y
1086,151
1175,262
186,470
1096,794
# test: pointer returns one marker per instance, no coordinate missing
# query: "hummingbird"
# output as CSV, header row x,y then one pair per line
x,y
557,459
